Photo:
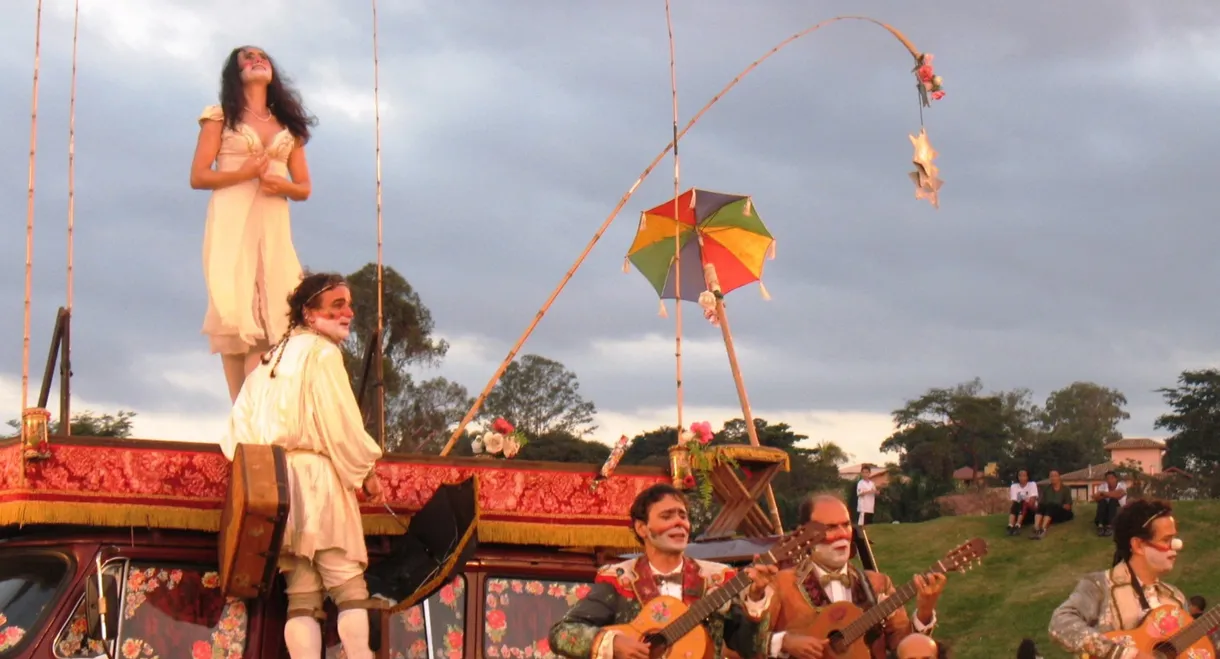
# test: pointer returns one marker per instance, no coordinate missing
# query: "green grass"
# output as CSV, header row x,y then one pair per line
x,y
985,612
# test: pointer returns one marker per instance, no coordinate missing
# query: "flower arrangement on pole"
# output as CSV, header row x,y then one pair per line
x,y
501,440
691,461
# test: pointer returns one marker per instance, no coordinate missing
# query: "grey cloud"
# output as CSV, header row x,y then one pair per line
x,y
1070,242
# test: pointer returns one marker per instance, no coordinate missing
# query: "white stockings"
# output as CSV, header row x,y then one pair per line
x,y
303,636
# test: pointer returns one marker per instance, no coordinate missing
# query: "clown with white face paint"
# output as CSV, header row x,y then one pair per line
x,y
1146,549
620,591
299,397
827,578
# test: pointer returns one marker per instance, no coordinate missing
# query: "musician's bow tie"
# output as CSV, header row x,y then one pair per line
x,y
674,578
841,577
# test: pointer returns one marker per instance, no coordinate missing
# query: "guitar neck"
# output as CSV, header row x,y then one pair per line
x,y
708,604
883,610
1196,630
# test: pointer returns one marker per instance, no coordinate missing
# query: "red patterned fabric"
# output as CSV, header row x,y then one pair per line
x,y
520,613
144,473
171,612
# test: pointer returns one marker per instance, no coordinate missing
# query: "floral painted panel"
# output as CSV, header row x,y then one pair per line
x,y
520,613
409,634
179,611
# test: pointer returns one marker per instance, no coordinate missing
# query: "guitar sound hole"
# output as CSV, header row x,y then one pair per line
x,y
836,642
657,644
1165,649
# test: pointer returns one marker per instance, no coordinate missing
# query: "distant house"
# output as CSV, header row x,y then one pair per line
x,y
1141,452
969,476
879,476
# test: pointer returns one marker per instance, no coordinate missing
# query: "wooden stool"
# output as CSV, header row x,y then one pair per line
x,y
740,510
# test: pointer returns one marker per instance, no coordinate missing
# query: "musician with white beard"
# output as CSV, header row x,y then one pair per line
x,y
299,397
827,578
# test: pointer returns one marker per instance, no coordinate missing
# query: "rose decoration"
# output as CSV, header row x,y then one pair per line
x,y
501,439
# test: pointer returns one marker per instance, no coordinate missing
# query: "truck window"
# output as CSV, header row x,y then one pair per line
x,y
433,629
29,583
177,610
520,613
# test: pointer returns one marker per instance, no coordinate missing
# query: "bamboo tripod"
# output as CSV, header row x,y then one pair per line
x,y
601,230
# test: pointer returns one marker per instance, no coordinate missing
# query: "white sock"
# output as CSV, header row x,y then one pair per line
x,y
303,636
354,633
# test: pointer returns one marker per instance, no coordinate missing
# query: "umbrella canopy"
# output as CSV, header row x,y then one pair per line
x,y
440,538
721,229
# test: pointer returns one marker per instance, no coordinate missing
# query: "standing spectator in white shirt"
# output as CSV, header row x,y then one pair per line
x,y
1024,497
1110,497
866,496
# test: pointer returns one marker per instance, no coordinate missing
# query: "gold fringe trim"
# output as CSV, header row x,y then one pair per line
x,y
558,535
21,513
767,454
611,535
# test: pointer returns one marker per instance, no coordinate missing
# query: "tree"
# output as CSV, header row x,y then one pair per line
x,y
424,414
562,447
418,414
1194,422
958,426
92,424
1087,414
540,396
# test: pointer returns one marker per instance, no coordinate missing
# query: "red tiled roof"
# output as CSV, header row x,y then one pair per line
x,y
1135,442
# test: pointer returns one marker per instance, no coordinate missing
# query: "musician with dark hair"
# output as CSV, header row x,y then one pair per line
x,y
1146,548
620,591
299,397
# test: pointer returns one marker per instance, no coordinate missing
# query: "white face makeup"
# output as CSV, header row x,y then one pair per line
x,y
333,317
255,66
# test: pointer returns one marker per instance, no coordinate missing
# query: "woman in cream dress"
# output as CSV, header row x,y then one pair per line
x,y
251,155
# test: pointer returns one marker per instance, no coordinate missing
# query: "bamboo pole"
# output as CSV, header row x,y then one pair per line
x,y
379,390
677,265
29,216
65,365
713,285
597,235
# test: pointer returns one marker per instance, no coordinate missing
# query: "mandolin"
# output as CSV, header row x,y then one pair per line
x,y
671,629
1168,632
844,624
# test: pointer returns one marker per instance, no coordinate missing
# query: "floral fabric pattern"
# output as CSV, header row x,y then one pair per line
x,y
139,474
520,613
179,612
10,635
409,632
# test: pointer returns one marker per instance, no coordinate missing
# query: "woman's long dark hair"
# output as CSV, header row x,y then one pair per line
x,y
283,100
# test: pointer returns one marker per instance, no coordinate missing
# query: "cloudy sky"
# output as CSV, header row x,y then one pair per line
x,y
1075,238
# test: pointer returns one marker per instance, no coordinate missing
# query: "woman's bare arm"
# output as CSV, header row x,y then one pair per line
x,y
203,177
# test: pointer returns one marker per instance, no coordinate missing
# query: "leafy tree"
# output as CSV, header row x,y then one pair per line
x,y
418,414
1087,414
1194,422
560,446
540,396
92,424
1062,454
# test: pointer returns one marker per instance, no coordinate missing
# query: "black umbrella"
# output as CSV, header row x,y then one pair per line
x,y
440,538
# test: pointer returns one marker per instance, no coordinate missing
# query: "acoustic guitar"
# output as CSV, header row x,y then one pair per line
x,y
1168,632
672,630
844,624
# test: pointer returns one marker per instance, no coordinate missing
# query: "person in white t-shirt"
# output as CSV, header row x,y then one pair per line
x,y
1024,497
866,496
1110,496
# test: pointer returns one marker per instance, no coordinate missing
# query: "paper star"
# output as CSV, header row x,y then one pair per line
x,y
926,176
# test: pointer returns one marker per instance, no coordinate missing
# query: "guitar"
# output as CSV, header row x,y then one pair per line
x,y
671,629
844,624
1168,631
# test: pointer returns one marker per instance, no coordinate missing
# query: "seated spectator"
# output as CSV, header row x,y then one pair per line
x,y
1024,497
1054,505
1110,497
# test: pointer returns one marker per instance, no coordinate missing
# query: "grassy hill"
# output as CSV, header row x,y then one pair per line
x,y
985,612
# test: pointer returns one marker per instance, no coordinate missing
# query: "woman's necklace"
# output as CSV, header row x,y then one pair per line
x,y
258,116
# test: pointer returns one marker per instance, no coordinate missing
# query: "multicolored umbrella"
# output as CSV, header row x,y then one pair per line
x,y
723,230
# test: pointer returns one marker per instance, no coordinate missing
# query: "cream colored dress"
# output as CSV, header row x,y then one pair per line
x,y
249,263
310,410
